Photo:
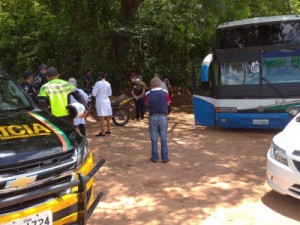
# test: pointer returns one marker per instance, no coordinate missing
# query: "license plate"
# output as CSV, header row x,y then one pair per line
x,y
42,218
260,122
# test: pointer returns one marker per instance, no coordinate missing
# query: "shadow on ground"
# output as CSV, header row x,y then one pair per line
x,y
210,168
283,204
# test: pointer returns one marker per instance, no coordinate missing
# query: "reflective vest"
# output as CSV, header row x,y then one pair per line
x,y
58,91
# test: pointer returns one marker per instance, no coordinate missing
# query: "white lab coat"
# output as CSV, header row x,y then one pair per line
x,y
78,121
102,91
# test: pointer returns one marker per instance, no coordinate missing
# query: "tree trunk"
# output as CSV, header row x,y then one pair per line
x,y
121,42
128,10
289,6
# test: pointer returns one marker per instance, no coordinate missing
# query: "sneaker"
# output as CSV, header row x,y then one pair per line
x,y
166,161
152,160
108,132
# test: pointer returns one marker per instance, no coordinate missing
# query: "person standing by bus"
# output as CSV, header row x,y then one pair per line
x,y
158,101
102,91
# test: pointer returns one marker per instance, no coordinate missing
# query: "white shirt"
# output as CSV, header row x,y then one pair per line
x,y
164,87
78,121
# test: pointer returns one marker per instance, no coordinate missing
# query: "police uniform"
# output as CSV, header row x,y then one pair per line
x,y
29,89
58,91
39,81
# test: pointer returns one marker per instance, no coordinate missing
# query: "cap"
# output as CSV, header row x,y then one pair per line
x,y
42,66
73,81
27,74
51,72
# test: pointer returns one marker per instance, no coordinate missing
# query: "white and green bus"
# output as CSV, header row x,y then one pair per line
x,y
253,75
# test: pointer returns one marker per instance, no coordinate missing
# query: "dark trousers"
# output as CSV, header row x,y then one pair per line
x,y
67,119
139,108
82,129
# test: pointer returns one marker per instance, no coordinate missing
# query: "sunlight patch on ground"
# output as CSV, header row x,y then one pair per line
x,y
180,217
125,202
177,192
91,119
246,213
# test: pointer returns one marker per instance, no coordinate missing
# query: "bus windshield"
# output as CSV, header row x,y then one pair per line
x,y
278,66
259,35
281,66
237,73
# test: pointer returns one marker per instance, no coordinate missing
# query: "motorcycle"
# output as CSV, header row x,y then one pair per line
x,y
120,114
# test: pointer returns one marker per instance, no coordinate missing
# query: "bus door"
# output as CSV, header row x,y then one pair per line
x,y
204,105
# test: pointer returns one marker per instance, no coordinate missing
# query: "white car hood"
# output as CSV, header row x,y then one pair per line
x,y
289,138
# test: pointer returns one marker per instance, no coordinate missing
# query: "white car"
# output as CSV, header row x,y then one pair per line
x,y
283,163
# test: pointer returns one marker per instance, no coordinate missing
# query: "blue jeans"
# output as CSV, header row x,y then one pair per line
x,y
158,125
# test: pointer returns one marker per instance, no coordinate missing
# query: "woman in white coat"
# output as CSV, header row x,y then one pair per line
x,y
102,91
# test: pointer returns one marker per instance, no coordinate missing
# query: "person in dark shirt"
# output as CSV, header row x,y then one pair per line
x,y
87,81
138,93
40,79
158,101
27,84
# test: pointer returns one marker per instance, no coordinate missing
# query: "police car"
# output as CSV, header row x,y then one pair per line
x,y
46,170
283,163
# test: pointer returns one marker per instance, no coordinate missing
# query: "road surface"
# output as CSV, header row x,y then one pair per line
x,y
215,176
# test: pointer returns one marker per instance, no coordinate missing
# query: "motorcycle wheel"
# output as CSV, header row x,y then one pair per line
x,y
120,117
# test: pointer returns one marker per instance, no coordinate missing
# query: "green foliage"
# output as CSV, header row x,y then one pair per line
x,y
149,36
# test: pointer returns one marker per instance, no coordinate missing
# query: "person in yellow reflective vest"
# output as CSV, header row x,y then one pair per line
x,y
58,92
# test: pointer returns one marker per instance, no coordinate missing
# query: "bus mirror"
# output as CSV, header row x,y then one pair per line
x,y
205,68
293,111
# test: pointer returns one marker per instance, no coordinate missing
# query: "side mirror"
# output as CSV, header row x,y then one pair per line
x,y
205,68
43,103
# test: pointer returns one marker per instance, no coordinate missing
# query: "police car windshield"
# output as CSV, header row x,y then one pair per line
x,y
11,97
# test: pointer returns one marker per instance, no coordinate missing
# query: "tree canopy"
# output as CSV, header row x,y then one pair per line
x,y
117,36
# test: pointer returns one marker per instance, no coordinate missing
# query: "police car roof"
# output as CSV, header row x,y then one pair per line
x,y
2,75
259,20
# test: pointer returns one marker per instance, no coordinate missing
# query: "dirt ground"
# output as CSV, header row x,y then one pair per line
x,y
215,176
